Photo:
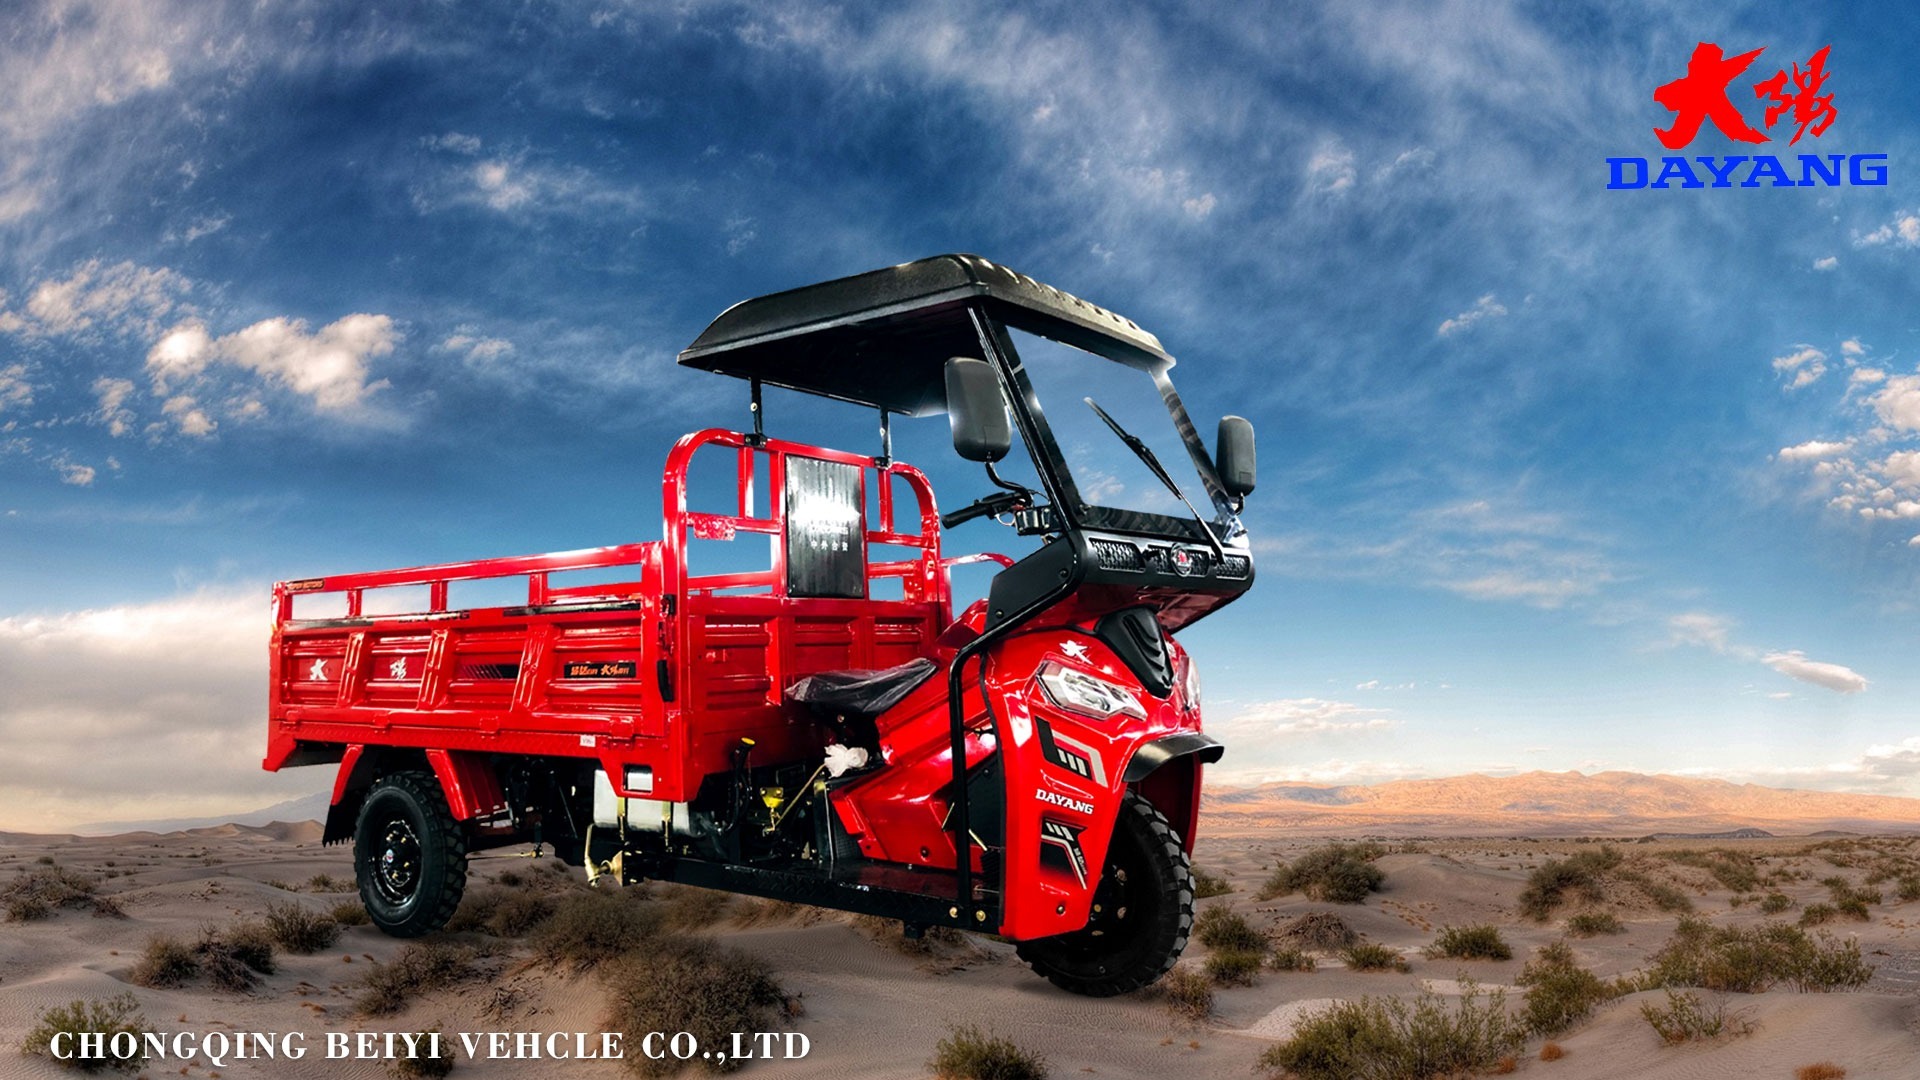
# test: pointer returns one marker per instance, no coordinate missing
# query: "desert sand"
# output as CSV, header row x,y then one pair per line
x,y
873,1012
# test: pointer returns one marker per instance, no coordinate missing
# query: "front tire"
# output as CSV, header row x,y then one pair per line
x,y
1143,912
409,855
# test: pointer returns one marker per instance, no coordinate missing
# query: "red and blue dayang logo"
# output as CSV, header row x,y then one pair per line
x,y
1796,99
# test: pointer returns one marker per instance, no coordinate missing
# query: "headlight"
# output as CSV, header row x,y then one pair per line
x,y
1077,691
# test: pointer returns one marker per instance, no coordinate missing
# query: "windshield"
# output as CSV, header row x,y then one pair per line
x,y
1114,484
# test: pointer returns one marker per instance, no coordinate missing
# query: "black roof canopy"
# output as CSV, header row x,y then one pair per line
x,y
882,338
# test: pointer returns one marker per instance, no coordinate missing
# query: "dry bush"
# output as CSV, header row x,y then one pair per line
x,y
1595,923
892,933
1552,1051
1234,967
971,1054
300,931
689,907
1686,1018
590,928
1207,885
1425,1039
1774,903
1470,943
1333,873
757,911
1751,960
252,944
1734,870
1224,928
1318,930
1822,1070
110,1017
231,967
1818,914
1365,956
692,984
1290,958
1560,993
320,883
350,913
416,969
167,962
1581,872
36,894
1189,994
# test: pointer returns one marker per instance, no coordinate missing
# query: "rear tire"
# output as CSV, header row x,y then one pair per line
x,y
1145,901
409,855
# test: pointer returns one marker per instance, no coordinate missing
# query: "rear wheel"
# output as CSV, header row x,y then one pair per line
x,y
1142,912
409,855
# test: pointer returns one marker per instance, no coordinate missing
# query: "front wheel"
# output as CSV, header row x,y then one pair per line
x,y
1142,912
409,855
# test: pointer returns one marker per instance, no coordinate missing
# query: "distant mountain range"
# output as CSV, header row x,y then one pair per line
x,y
305,808
1548,803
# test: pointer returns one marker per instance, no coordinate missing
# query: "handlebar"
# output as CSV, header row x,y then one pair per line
x,y
999,502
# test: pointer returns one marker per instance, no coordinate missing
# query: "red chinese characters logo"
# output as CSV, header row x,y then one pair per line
x,y
1701,95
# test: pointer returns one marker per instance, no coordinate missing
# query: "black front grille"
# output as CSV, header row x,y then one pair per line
x,y
1115,555
1235,566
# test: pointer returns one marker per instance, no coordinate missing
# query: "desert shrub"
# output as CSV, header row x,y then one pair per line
x,y
1334,873
1552,1051
320,883
1234,967
1594,923
1909,888
1821,1070
1560,993
427,1065
1774,903
252,944
1735,870
892,933
1207,885
590,928
690,908
349,913
36,894
167,962
521,914
691,984
1224,928
1686,1018
1666,897
1365,956
1318,930
225,966
1551,881
110,1017
1751,960
968,1053
1290,958
1470,943
1817,914
1188,993
1392,1038
416,969
300,931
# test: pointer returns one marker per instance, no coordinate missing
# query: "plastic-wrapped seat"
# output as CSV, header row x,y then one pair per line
x,y
849,700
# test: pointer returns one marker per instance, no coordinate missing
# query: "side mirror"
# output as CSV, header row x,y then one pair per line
x,y
1233,456
977,411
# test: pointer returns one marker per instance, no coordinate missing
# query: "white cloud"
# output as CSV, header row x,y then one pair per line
x,y
1306,716
329,365
1484,308
1893,762
1836,677
188,416
1898,402
74,473
124,298
477,349
113,395
1814,450
1827,263
1902,231
499,187
1852,349
1865,376
15,391
1806,363
1915,542
1330,170
1700,628
453,142
1200,206
1545,592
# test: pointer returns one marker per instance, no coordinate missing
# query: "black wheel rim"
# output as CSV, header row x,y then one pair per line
x,y
396,870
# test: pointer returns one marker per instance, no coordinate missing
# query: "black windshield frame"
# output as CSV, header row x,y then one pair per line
x,y
1050,462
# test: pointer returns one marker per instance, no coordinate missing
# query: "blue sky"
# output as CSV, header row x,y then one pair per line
x,y
1553,476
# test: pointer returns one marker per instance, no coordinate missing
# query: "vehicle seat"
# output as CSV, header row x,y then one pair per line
x,y
849,700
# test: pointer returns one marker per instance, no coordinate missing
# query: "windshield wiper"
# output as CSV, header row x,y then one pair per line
x,y
1145,454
